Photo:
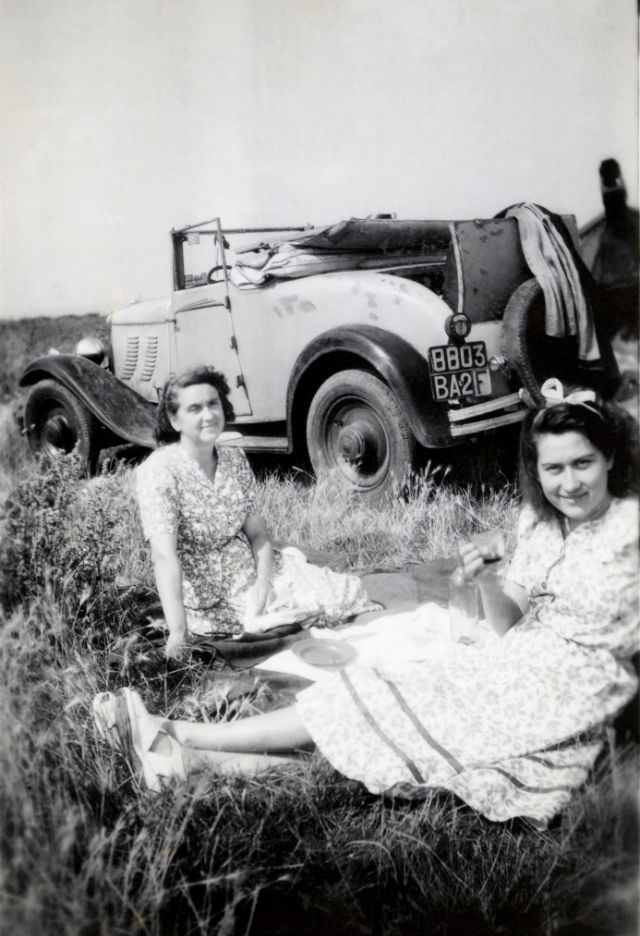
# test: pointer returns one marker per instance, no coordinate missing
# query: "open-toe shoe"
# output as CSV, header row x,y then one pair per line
x,y
122,719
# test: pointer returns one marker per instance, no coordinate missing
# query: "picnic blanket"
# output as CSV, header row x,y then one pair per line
x,y
395,590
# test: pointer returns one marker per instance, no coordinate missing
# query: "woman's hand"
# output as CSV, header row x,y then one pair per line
x,y
471,559
176,645
487,546
503,603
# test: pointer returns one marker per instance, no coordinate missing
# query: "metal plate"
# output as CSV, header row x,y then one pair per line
x,y
328,654
459,371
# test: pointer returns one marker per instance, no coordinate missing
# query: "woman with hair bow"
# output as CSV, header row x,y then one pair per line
x,y
511,725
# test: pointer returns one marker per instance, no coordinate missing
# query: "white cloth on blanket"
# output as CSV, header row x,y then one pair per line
x,y
407,637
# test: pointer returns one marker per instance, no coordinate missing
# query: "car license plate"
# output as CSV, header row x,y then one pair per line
x,y
459,371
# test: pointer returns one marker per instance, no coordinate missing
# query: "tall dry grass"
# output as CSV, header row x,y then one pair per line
x,y
85,850
428,520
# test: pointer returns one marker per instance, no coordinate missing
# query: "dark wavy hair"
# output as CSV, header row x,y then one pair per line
x,y
607,427
164,432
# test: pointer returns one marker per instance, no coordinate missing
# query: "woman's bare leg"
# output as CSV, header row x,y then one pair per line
x,y
232,763
279,731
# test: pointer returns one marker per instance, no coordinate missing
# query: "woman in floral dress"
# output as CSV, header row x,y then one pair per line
x,y
511,726
214,565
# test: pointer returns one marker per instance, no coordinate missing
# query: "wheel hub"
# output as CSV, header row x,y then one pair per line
x,y
361,442
57,434
352,443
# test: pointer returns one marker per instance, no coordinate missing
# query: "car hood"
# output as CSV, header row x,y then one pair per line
x,y
149,312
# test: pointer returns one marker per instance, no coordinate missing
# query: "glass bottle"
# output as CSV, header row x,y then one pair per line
x,y
464,607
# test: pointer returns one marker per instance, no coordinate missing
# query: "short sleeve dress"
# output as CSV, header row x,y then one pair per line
x,y
207,516
512,726
218,567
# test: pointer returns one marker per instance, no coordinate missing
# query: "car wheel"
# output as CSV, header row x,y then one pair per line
x,y
356,427
536,356
56,422
526,345
517,333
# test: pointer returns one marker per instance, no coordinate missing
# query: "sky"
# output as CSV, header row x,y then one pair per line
x,y
121,119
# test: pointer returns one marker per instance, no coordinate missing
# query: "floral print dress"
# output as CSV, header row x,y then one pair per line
x,y
218,567
514,725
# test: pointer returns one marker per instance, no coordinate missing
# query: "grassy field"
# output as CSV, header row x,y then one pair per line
x,y
23,340
85,851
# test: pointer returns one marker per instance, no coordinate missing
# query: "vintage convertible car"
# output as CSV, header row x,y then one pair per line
x,y
358,343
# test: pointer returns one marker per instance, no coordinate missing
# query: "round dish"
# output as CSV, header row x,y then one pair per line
x,y
328,654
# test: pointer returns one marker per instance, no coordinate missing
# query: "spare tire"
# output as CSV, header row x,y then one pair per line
x,y
516,329
537,356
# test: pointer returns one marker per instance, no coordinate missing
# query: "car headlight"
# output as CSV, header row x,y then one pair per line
x,y
91,348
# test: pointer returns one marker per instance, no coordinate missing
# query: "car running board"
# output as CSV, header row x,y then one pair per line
x,y
254,443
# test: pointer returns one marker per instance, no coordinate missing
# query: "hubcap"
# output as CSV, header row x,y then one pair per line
x,y
357,443
58,436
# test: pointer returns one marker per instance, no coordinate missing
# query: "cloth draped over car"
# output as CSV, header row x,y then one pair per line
x,y
547,250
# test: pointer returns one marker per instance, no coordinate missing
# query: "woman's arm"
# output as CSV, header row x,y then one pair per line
x,y
256,532
503,604
168,575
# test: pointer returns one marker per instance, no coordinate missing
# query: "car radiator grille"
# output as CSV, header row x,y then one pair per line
x,y
130,358
150,358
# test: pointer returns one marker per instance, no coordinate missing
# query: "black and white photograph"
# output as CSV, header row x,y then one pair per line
x,y
319,528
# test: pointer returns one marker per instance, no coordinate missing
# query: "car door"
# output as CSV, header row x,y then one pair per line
x,y
204,334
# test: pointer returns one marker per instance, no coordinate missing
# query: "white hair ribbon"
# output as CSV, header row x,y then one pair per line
x,y
553,393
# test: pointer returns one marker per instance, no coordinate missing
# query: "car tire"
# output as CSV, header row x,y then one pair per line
x,y
536,356
56,423
356,428
516,334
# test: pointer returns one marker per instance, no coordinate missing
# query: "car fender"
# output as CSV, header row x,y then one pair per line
x,y
115,405
392,358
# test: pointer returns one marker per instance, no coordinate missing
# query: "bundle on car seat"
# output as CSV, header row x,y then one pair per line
x,y
355,244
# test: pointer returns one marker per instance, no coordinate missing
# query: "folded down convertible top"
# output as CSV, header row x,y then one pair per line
x,y
369,243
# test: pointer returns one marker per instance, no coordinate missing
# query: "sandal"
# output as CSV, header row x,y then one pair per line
x,y
122,720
